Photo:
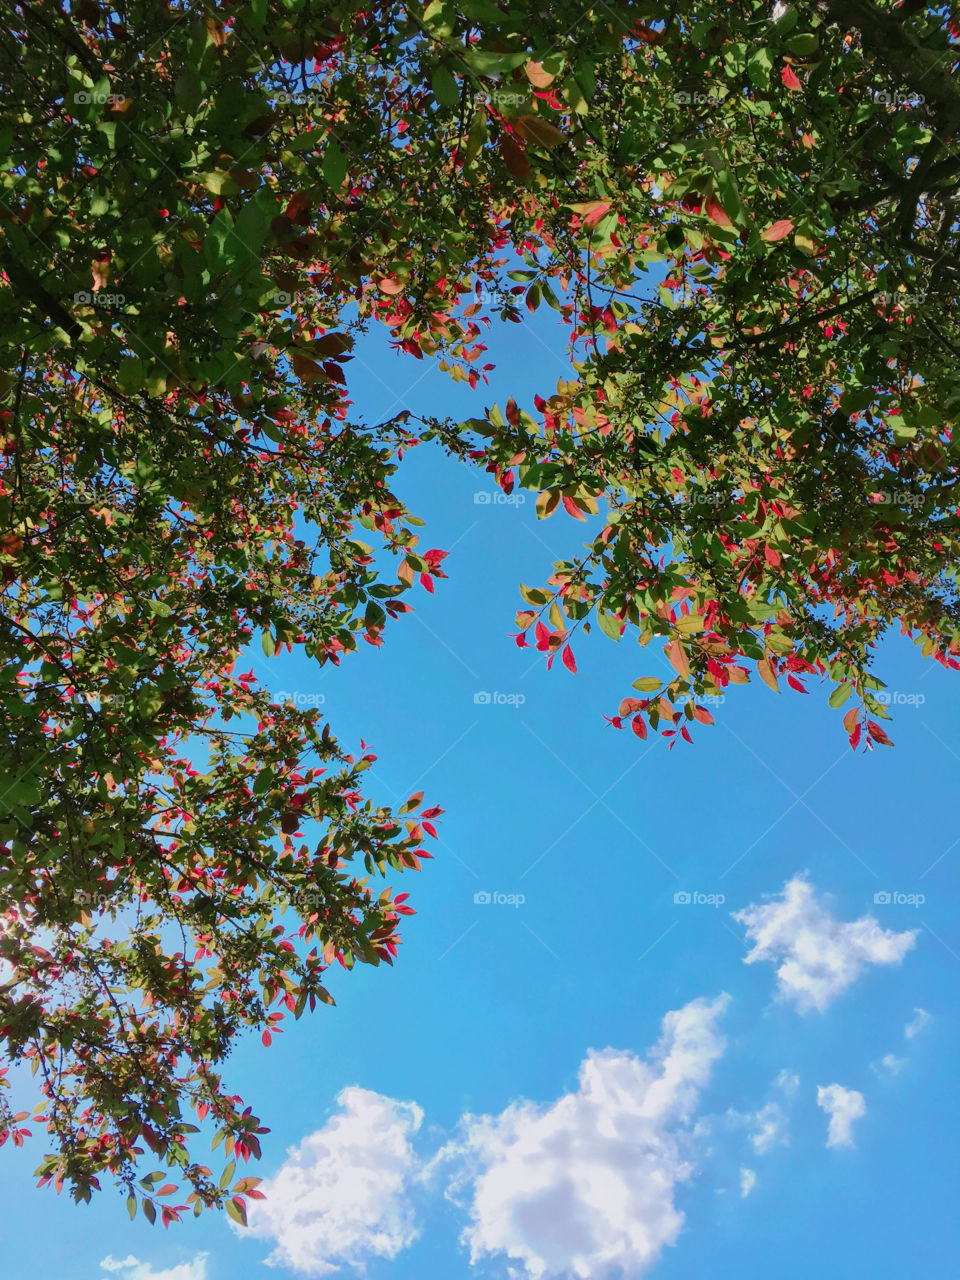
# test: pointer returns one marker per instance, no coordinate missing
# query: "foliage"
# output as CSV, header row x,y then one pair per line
x,y
747,220
768,426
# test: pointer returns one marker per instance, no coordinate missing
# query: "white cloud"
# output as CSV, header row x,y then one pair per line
x,y
818,956
843,1106
584,1187
748,1180
919,1022
770,1128
341,1196
889,1065
788,1081
130,1268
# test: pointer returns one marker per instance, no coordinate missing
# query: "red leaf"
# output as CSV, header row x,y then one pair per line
x,y
778,230
639,726
794,683
855,738
716,213
789,79
568,659
514,157
572,509
877,734
599,209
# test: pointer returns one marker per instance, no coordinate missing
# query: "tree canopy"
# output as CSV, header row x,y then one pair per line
x,y
747,219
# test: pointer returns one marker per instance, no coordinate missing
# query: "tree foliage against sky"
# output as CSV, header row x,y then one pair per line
x,y
747,220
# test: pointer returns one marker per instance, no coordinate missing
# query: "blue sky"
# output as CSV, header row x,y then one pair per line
x,y
799,980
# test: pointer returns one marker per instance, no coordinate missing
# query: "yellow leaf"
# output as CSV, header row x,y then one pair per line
x,y
547,503
678,658
690,625
539,78
767,674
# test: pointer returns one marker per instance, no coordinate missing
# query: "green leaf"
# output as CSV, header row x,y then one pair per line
x,y
609,625
840,694
235,1210
445,86
335,165
486,62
